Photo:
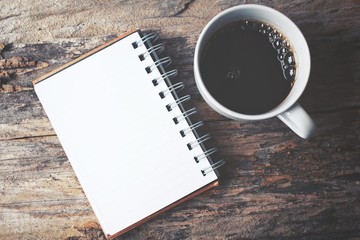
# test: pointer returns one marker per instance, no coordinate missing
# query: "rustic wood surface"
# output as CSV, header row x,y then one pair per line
x,y
275,185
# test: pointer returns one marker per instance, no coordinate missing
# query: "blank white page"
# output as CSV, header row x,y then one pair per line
x,y
119,137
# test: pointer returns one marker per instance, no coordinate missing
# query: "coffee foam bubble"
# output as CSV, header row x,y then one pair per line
x,y
279,42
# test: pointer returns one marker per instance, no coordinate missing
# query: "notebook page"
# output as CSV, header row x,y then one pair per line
x,y
119,137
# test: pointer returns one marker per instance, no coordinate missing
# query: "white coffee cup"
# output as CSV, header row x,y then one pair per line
x,y
289,111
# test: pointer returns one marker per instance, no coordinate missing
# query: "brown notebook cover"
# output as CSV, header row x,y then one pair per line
x,y
120,138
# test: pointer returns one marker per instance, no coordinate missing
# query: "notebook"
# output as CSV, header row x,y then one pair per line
x,y
125,131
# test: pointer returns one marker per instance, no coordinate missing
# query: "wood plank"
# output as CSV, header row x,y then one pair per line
x,y
274,185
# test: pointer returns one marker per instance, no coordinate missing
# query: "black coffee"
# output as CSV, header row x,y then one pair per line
x,y
248,67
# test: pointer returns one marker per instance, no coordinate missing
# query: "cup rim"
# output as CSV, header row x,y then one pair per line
x,y
282,107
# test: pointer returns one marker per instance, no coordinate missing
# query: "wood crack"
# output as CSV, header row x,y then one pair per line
x,y
325,111
186,6
337,110
11,67
28,137
10,16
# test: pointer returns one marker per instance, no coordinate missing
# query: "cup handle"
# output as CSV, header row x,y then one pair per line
x,y
299,121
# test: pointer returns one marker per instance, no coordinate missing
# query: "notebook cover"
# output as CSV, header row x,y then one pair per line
x,y
191,195
199,191
97,49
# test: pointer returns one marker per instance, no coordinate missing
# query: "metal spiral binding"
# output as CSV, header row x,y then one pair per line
x,y
174,87
168,74
213,167
156,48
148,37
190,128
161,62
199,140
205,154
185,114
170,106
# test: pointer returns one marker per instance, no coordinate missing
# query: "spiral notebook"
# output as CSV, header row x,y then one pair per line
x,y
126,133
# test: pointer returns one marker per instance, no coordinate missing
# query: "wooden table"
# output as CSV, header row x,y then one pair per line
x,y
275,185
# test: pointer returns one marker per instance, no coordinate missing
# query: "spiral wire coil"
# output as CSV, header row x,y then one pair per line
x,y
164,62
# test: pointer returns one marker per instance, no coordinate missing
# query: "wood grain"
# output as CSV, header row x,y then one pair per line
x,y
274,185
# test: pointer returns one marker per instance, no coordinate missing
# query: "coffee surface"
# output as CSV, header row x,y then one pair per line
x,y
248,67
